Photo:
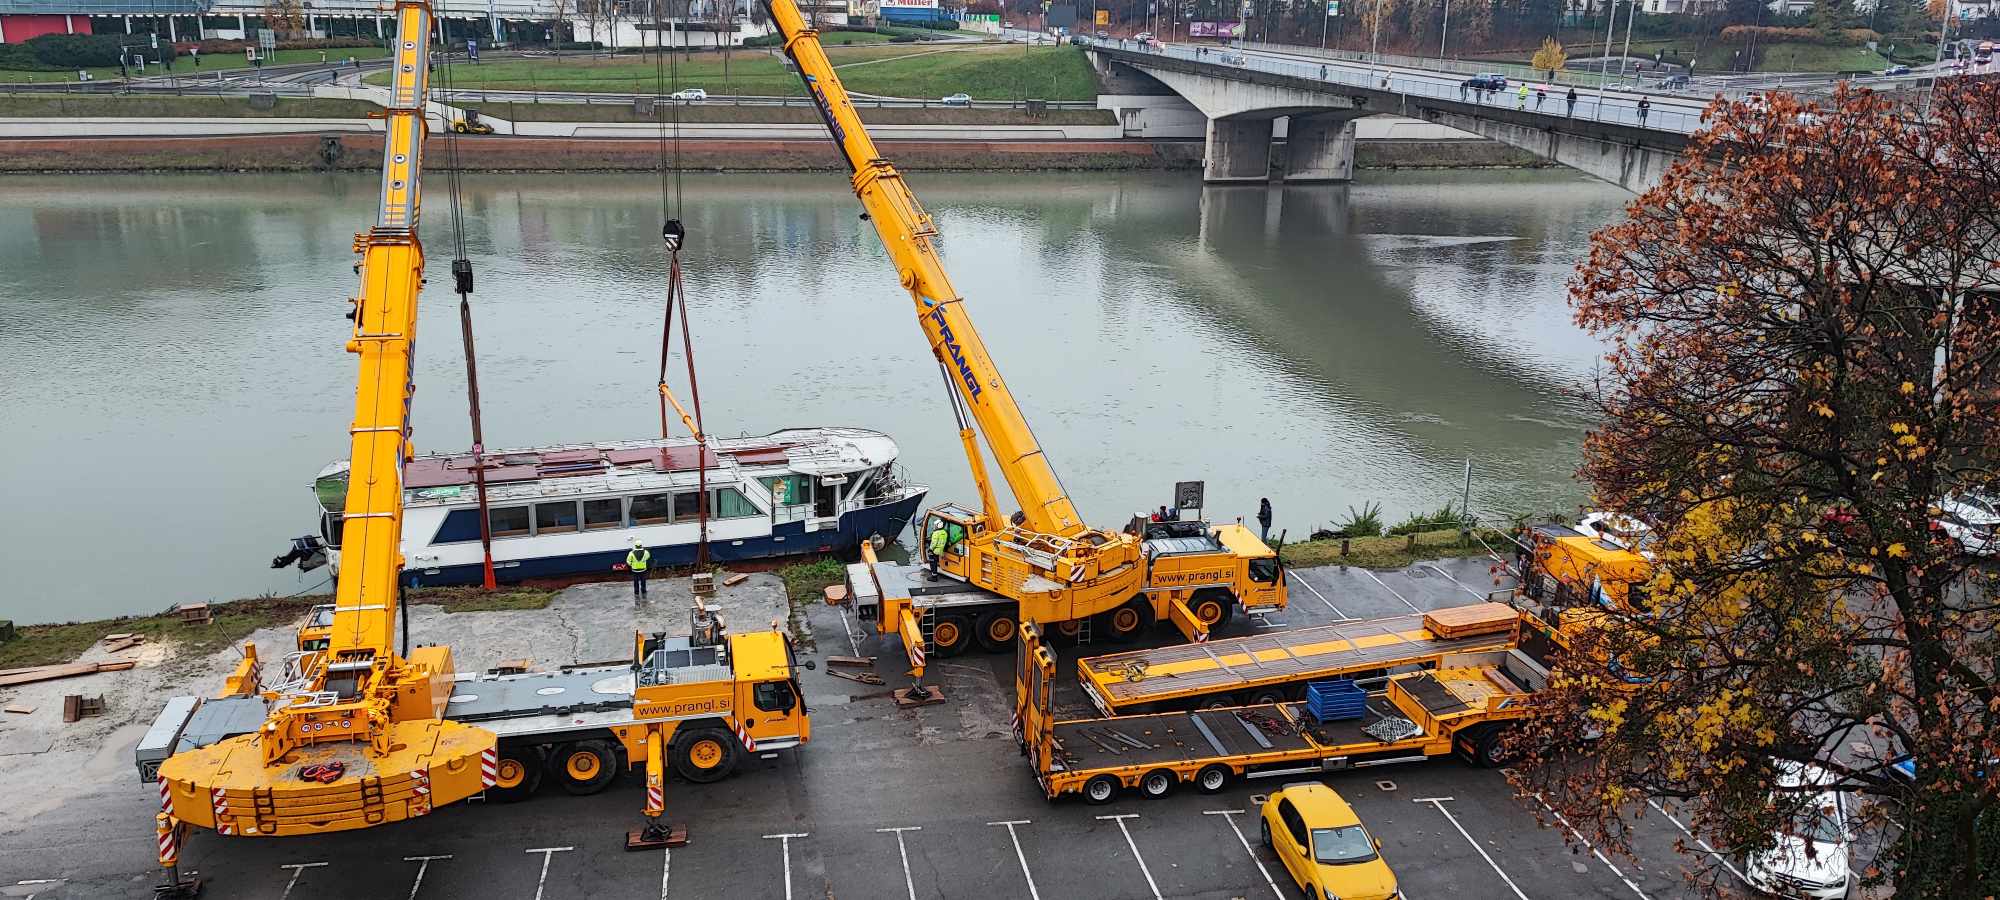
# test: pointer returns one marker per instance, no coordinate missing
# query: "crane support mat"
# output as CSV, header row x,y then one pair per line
x,y
1473,619
674,836
933,694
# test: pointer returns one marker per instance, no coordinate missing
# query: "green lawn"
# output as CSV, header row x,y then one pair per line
x,y
185,67
901,70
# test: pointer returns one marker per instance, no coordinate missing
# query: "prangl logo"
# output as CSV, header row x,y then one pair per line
x,y
957,354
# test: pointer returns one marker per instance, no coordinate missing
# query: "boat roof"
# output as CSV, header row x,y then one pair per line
x,y
608,467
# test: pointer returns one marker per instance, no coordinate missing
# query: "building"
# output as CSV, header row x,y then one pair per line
x,y
191,20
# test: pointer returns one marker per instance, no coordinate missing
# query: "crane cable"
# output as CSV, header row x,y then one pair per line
x,y
673,236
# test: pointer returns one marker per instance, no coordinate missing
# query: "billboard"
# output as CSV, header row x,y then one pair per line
x,y
1212,29
909,4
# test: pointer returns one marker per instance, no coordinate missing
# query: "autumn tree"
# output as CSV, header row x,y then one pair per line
x,y
1550,57
1804,319
286,18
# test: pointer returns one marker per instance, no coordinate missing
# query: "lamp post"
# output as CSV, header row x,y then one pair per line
x,y
1604,64
1375,42
1446,32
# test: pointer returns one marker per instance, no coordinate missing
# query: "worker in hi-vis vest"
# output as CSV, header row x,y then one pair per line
x,y
638,560
938,541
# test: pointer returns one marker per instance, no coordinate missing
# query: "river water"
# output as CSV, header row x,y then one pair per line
x,y
171,371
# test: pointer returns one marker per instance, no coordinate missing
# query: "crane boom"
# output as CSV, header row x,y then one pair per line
x,y
909,235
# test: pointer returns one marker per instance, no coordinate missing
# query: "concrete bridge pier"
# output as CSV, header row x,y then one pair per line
x,y
1319,149
1238,152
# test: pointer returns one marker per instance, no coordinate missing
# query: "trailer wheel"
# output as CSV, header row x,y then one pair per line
x,y
1218,701
706,755
950,636
518,774
1212,778
584,768
1489,751
1213,607
1268,695
1157,783
1099,790
1127,622
996,631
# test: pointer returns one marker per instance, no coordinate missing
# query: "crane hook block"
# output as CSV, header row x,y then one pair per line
x,y
673,232
461,274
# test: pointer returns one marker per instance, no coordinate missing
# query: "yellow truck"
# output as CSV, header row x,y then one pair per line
x,y
1276,666
1464,706
1563,568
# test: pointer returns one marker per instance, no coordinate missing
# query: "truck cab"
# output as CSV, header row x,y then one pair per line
x,y
1214,569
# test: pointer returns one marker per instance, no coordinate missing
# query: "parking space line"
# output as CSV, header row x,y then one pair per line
x,y
1439,803
1315,592
1023,857
1392,591
1461,585
1120,819
1698,841
666,869
1229,815
785,844
423,865
548,853
904,852
1593,848
297,870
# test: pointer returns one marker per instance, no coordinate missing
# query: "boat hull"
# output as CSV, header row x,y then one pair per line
x,y
788,539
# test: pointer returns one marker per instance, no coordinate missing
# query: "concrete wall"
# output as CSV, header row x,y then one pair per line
x,y
137,127
1626,157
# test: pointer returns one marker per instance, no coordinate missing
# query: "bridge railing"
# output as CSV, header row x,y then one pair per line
x,y
1613,108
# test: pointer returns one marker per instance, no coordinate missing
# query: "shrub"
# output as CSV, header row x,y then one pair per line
x,y
21,58
767,40
1852,37
1450,516
1364,522
78,51
903,39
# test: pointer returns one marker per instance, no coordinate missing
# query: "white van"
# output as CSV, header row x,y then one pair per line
x,y
1811,861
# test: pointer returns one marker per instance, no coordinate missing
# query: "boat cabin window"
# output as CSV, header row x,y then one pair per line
x,y
608,513
731,504
551,518
687,507
651,509
791,496
508,521
458,525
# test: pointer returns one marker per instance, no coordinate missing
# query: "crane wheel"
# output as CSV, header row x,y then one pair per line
x,y
1213,608
996,631
706,755
1127,622
518,775
1212,778
584,768
950,636
1100,790
1066,632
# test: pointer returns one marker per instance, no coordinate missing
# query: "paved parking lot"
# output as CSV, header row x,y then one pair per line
x,y
929,803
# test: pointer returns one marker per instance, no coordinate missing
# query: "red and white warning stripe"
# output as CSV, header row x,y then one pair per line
x,y
917,655
166,797
170,844
743,734
656,798
420,793
219,800
1201,637
489,767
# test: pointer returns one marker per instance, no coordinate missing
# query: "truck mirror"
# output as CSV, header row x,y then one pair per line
x,y
810,665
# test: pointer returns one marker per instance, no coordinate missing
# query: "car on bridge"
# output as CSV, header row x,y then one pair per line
x,y
1485,81
956,100
689,95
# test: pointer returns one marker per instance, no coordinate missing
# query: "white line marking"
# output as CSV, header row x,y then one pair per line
x,y
1593,848
666,869
297,870
423,865
1439,802
852,644
1461,585
1023,857
908,885
1392,591
1229,815
785,844
548,853
1698,841
1120,819
1315,592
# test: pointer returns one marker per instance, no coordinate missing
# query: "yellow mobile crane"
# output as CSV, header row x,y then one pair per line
x,y
1043,563
355,734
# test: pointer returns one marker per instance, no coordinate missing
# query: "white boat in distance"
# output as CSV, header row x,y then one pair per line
x,y
575,509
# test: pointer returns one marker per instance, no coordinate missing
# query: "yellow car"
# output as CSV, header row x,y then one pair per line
x,y
1324,846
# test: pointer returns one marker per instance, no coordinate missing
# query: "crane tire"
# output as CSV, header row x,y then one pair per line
x,y
996,630
520,773
950,636
706,755
1214,607
1126,623
584,767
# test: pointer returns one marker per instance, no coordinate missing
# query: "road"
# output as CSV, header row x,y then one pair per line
x,y
930,803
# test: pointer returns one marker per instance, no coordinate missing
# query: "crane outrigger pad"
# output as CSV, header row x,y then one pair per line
x,y
657,839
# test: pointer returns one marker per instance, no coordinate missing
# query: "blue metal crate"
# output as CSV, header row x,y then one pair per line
x,y
1336,700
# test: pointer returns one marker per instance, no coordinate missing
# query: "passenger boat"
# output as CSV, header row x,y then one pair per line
x,y
575,509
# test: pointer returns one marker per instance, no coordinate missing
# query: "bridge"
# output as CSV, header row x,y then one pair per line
x,y
1243,93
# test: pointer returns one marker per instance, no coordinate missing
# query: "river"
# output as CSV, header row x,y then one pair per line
x,y
172,373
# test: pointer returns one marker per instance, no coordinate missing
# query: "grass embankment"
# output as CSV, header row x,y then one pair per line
x,y
1393,552
986,73
1713,58
143,106
723,113
37,645
184,66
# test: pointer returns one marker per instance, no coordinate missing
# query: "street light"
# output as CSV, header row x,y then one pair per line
x,y
1447,30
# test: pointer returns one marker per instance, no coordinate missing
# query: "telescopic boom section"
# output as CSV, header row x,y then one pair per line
x,y
908,234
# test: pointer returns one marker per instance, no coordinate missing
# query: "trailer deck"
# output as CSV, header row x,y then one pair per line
x,y
1184,737
1121,682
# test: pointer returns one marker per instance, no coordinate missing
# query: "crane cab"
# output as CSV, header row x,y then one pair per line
x,y
959,525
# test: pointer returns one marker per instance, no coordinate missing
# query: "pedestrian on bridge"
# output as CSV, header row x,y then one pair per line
x,y
1541,93
1645,104
1521,97
1572,102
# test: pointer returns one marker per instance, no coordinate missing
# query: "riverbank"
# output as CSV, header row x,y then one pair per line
x,y
494,153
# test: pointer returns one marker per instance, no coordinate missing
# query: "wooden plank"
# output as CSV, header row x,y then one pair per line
x,y
119,636
735,579
48,673
859,662
123,644
116,665
1469,620
18,709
